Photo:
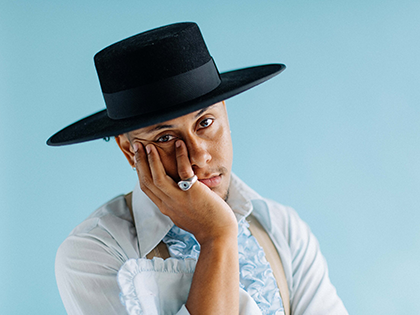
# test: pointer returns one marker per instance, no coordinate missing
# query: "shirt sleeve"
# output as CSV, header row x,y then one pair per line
x,y
86,271
311,291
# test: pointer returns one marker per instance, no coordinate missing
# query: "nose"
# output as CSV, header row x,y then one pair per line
x,y
198,151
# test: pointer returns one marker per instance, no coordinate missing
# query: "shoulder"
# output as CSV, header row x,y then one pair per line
x,y
106,236
105,222
291,235
286,219
116,209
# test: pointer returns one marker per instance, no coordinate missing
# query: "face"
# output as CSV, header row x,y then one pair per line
x,y
206,134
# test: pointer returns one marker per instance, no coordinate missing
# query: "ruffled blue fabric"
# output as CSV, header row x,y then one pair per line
x,y
181,244
256,276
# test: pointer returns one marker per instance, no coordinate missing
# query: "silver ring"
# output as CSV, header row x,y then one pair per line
x,y
187,184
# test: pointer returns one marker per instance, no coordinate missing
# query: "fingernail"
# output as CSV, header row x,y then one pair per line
x,y
178,143
135,147
148,148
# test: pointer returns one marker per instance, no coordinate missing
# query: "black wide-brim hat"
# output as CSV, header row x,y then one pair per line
x,y
157,76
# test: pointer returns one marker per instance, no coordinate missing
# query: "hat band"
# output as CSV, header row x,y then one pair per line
x,y
163,94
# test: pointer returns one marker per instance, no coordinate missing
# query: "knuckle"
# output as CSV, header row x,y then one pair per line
x,y
142,186
180,153
159,182
145,181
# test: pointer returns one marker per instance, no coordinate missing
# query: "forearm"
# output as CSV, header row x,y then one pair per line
x,y
215,285
204,213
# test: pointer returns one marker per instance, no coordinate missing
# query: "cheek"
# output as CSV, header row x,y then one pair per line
x,y
221,151
224,145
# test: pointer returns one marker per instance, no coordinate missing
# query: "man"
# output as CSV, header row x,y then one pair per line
x,y
166,110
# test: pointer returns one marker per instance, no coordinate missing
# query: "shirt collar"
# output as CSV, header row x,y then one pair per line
x,y
152,225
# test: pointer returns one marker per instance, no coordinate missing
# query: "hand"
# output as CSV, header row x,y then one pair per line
x,y
198,210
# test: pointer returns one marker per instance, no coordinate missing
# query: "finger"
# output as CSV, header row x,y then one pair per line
x,y
160,179
143,170
184,168
142,164
145,177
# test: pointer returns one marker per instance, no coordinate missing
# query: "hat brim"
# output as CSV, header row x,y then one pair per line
x,y
99,125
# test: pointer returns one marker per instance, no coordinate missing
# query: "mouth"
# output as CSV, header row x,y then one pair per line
x,y
212,181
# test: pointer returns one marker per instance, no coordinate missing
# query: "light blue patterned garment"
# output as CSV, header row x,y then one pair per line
x,y
256,276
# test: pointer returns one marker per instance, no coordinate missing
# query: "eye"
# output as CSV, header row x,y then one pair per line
x,y
165,138
206,122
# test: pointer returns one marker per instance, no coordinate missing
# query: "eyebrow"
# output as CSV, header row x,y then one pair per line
x,y
166,126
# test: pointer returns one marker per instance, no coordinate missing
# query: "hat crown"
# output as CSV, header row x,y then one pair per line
x,y
151,56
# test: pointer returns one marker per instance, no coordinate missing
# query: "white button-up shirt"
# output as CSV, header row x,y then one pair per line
x,y
89,259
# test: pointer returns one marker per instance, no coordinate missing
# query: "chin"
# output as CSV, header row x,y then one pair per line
x,y
222,192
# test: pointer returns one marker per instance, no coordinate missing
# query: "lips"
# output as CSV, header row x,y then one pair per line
x,y
211,181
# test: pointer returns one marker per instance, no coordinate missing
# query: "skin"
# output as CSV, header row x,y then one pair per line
x,y
198,143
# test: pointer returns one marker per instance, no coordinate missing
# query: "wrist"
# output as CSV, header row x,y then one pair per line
x,y
219,242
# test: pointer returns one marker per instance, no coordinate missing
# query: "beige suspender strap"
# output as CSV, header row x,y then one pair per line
x,y
161,250
273,258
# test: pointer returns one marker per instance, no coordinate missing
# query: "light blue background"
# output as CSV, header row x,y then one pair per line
x,y
336,135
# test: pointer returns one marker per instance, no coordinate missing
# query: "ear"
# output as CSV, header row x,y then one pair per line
x,y
126,148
